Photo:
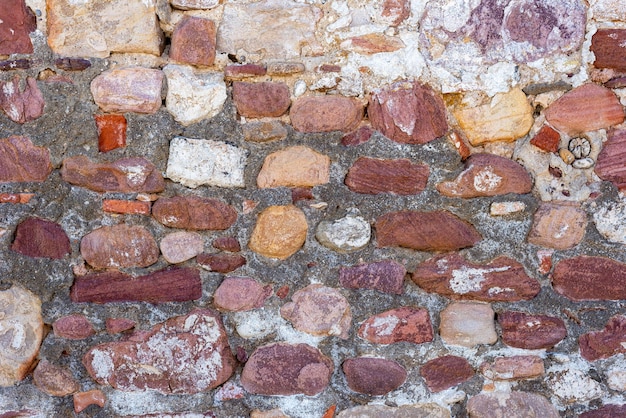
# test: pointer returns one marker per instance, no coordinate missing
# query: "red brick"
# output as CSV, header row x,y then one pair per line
x,y
111,132
547,139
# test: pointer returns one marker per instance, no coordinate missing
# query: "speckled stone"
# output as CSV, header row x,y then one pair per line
x,y
558,225
132,89
531,332
264,130
510,404
279,232
420,410
237,294
258,100
230,244
374,176
193,41
54,380
385,276
181,246
35,237
350,233
445,372
296,166
590,278
194,212
21,105
606,411
325,114
513,368
410,324
373,376
468,324
21,161
605,343
73,327
119,246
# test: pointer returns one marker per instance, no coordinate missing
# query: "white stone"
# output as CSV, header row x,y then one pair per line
x,y
194,162
608,10
181,246
506,208
193,96
349,233
610,221
194,4
616,379
574,386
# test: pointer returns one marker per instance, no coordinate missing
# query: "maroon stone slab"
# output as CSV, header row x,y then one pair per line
x,y
590,278
37,237
386,276
193,212
445,372
221,263
373,376
374,176
605,343
258,100
531,332
608,47
21,161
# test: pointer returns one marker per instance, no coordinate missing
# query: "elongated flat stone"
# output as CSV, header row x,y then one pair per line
x,y
590,278
445,372
132,89
385,276
17,22
420,410
258,100
37,237
21,105
21,161
531,332
558,226
513,368
220,263
610,164
468,324
410,324
326,114
373,376
73,327
296,166
374,176
513,404
608,47
279,232
605,343
236,294
193,212
501,280
119,246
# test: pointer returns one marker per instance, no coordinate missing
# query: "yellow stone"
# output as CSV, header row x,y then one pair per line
x,y
508,117
297,166
280,231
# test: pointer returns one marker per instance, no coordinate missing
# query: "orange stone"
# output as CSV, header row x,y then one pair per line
x,y
16,197
547,139
111,132
92,397
126,206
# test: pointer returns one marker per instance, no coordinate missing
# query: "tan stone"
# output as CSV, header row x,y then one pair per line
x,y
507,117
132,89
297,166
280,231
559,226
468,324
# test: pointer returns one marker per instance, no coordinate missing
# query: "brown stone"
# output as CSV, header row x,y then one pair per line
x,y
407,323
606,411
586,108
91,397
500,280
610,165
221,263
326,114
128,207
21,106
279,232
468,324
126,175
111,132
513,368
258,100
264,131
119,246
425,231
301,193
230,244
193,212
18,64
358,137
73,327
559,226
181,246
373,376
374,176
132,89
21,161
510,404
172,284
240,71
54,380
117,325
184,355
590,278
531,332
608,47
385,276
286,369
547,139
193,41
408,113
72,64
605,343
373,43
396,10
488,175
17,22
16,198
296,166
445,372
36,237
236,294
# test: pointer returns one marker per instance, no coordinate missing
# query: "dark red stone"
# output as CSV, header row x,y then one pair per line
x,y
119,246
21,106
193,212
590,278
608,342
547,139
301,193
611,163
111,132
373,176
72,64
227,244
172,284
17,22
193,41
373,376
221,263
608,47
408,323
258,100
236,294
19,64
244,70
445,372
36,237
358,137
385,276
21,161
73,327
607,411
117,325
531,332
282,291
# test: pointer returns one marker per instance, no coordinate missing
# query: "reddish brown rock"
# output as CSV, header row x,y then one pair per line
x,y
374,176
396,10
229,244
21,106
301,193
184,355
126,175
72,64
21,161
547,139
264,130
607,411
119,246
408,113
193,212
286,369
488,175
425,231
326,114
168,285
608,342
500,280
445,372
73,327
132,89
608,47
193,41
236,294
590,278
36,237
111,132
513,368
221,263
373,376
385,276
258,100
610,165
358,137
17,22
510,404
586,108
239,71
531,332
117,325
54,380
408,323
91,397
128,207
559,226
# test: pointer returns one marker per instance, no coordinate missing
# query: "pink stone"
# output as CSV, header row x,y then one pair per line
x,y
531,332
326,114
117,325
605,343
384,276
21,161
229,244
258,100
193,212
408,323
119,246
36,237
244,70
510,404
54,380
374,176
358,137
132,89
590,278
193,41
611,165
558,225
17,22
468,324
21,106
445,372
181,246
236,294
396,10
373,376
221,263
513,368
73,327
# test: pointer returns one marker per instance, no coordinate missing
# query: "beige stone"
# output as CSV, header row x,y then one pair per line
x,y
297,166
131,89
468,324
280,231
558,226
507,117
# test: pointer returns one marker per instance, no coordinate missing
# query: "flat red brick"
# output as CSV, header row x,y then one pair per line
x,y
111,132
547,139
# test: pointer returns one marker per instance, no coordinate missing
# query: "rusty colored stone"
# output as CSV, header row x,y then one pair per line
x,y
605,343
608,47
373,376
91,397
531,332
445,372
21,161
558,226
193,212
510,404
236,294
111,132
258,100
407,323
21,106
296,166
513,368
132,89
220,263
358,137
610,165
35,237
128,207
590,278
172,284
239,71
264,130
73,327
230,244
54,380
547,139
425,231
501,280
193,41
117,325
119,246
374,176
17,22
279,232
385,276
326,114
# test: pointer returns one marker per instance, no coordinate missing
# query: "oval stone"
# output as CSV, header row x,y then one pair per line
x,y
531,332
258,100
181,246
605,343
374,176
73,327
445,372
279,232
373,376
510,404
193,212
119,246
326,114
408,323
236,294
54,380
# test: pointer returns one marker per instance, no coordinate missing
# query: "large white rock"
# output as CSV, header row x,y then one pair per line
x,y
194,162
610,221
192,97
349,233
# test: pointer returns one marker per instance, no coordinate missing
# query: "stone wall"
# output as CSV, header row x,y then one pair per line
x,y
312,208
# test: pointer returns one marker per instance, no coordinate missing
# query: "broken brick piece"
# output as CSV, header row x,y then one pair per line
x,y
111,132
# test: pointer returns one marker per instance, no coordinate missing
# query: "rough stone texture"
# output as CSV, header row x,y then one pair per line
x,y
35,237
373,43
425,231
194,212
531,332
468,324
264,131
21,105
610,165
279,232
350,233
181,246
605,343
194,4
513,368
422,410
54,380
297,166
21,161
373,176
193,41
373,376
358,137
119,246
488,175
586,108
126,175
91,397
408,323
91,29
220,263
169,285
258,100
326,114
243,71
117,325
229,244
319,310
607,46
513,404
607,411
408,113
17,22
111,132
237,294
385,276
558,226
445,372
286,369
185,355
590,278
196,162
132,89
501,280
23,329
73,327
547,139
